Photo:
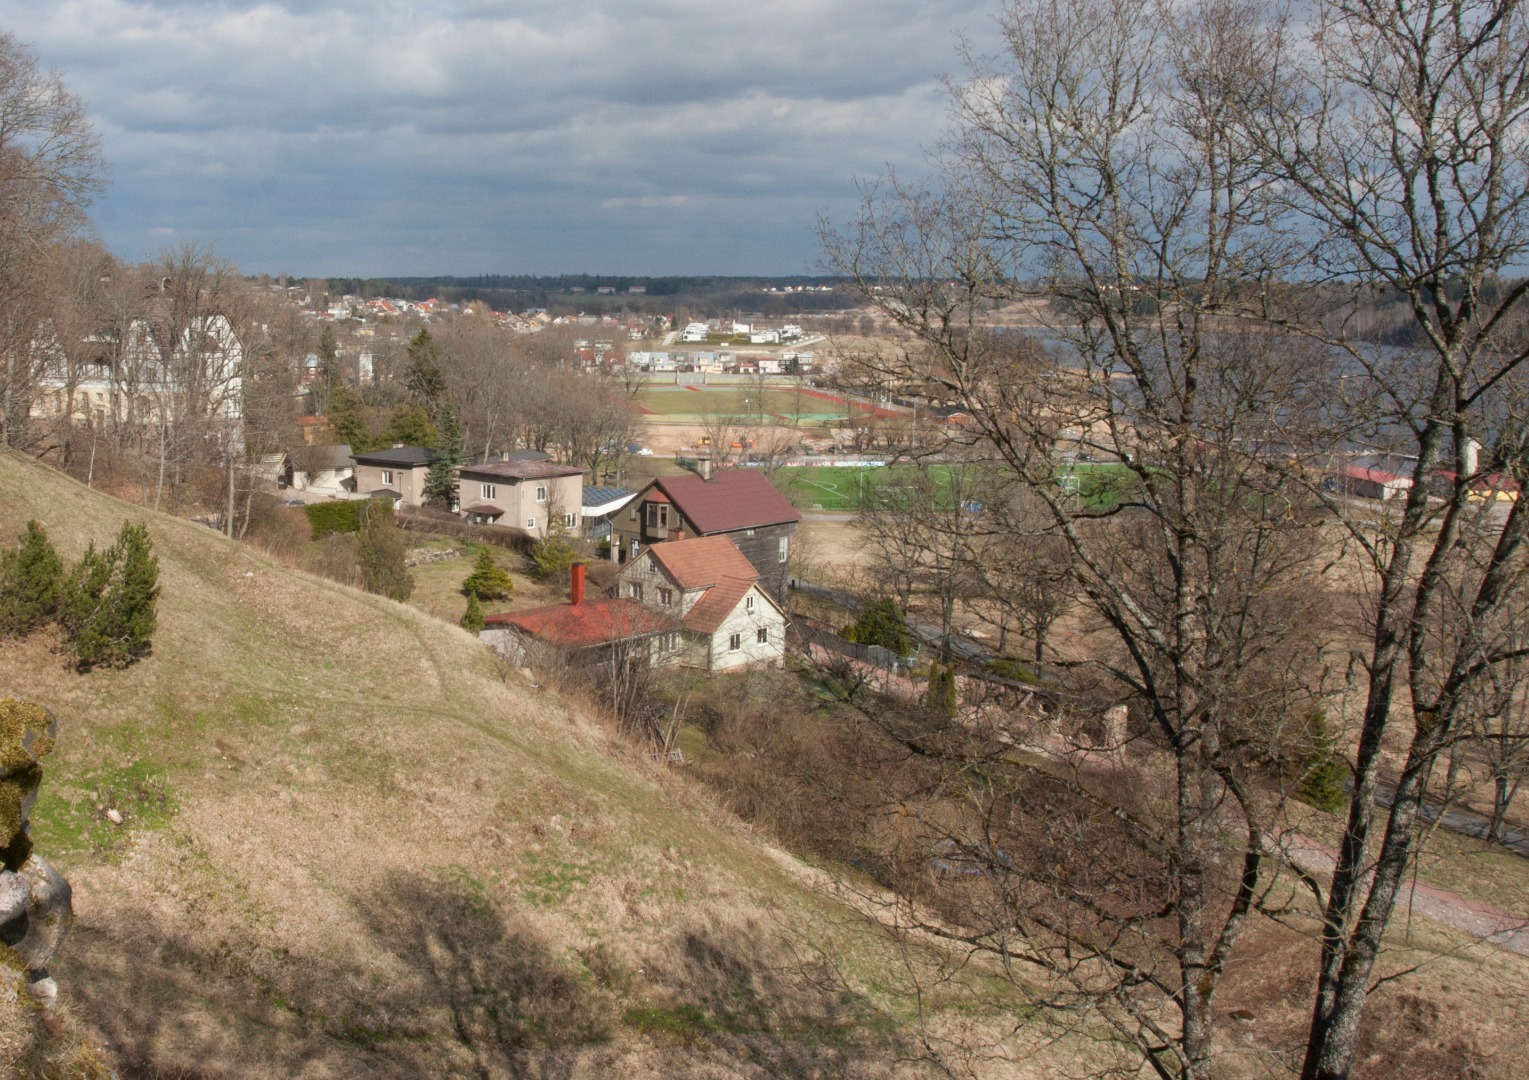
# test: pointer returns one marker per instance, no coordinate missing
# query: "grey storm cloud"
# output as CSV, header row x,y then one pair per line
x,y
371,137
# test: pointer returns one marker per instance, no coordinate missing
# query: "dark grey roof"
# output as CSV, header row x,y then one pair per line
x,y
384,493
405,457
528,455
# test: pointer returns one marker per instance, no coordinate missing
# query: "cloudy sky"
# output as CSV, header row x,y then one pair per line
x,y
479,136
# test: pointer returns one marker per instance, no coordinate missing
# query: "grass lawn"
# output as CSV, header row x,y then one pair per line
x,y
830,487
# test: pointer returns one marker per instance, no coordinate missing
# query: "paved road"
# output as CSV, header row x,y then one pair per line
x,y
1500,928
1466,823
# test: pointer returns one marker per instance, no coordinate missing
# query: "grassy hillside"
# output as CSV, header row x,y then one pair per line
x,y
354,846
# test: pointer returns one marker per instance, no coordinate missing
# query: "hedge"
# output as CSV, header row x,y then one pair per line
x,y
340,517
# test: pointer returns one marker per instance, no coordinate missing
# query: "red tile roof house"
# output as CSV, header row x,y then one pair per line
x,y
740,504
694,603
728,618
1369,483
585,629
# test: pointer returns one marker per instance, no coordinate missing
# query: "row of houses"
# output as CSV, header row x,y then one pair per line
x,y
527,490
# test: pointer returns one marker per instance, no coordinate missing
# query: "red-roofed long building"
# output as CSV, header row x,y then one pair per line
x,y
740,504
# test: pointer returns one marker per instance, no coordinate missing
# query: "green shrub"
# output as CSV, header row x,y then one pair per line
x,y
941,697
489,580
30,578
881,623
1322,783
552,556
472,618
1013,670
336,517
381,546
108,604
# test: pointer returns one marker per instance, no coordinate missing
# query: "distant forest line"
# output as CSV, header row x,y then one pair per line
x,y
557,293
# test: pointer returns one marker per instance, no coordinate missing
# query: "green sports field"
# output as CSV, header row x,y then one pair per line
x,y
1099,486
828,487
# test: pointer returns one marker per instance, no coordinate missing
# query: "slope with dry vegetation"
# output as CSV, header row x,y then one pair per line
x,y
352,844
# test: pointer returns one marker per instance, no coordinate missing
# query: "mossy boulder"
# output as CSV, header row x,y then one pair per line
x,y
27,733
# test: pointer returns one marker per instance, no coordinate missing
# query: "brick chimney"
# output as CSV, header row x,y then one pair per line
x,y
577,588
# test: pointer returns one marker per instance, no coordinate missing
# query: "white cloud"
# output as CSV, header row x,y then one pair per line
x,y
377,126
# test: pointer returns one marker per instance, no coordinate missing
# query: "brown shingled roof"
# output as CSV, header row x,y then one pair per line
x,y
731,500
716,604
706,560
521,470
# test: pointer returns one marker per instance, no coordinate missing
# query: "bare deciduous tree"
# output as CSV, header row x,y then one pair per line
x,y
50,168
1096,170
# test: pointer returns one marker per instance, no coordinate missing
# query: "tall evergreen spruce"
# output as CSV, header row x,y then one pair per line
x,y
472,618
108,606
30,577
441,482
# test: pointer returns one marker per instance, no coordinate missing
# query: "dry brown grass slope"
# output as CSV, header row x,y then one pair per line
x,y
352,847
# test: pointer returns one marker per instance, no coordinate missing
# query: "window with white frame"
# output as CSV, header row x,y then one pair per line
x,y
763,636
541,492
387,477
636,590
530,523
785,548
666,596
735,643
570,520
488,491
748,602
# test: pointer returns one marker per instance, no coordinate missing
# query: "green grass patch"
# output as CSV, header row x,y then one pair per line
x,y
686,1024
550,884
70,816
830,487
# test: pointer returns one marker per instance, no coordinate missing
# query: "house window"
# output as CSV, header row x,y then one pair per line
x,y
530,523
666,596
763,637
658,516
735,643
785,548
541,493
748,602
631,512
636,590
570,520
387,477
488,491
748,532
